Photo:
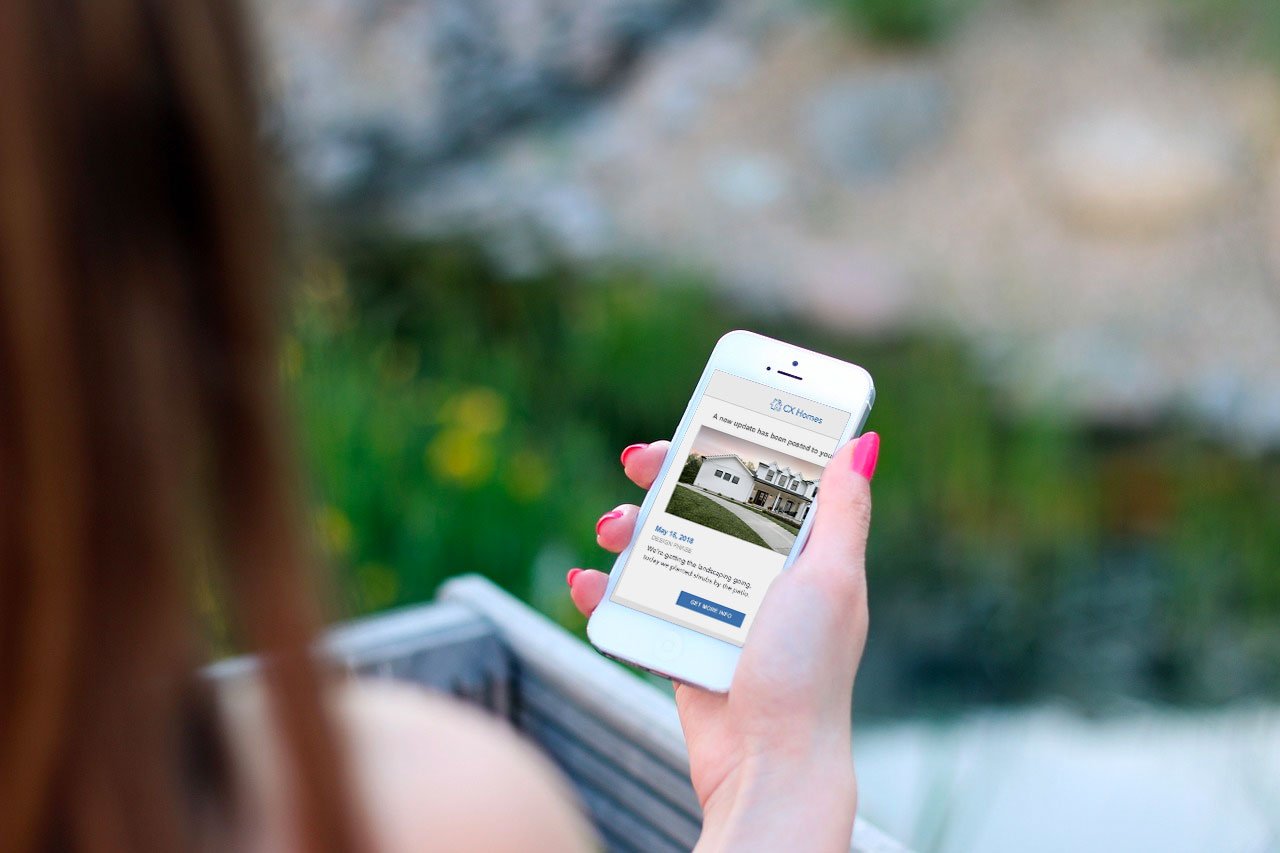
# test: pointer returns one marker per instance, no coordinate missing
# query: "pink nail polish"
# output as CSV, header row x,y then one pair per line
x,y
629,449
608,516
573,573
865,454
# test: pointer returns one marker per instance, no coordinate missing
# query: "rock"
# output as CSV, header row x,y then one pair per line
x,y
689,71
575,222
870,125
1123,172
747,181
365,89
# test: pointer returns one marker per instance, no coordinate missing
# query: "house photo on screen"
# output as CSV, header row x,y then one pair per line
x,y
742,489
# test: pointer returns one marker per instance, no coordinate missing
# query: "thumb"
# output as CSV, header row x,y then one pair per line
x,y
839,536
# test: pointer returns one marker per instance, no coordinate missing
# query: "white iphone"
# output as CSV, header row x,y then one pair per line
x,y
731,507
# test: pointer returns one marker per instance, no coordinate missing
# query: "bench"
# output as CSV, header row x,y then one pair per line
x,y
615,736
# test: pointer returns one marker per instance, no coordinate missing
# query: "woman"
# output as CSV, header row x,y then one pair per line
x,y
146,483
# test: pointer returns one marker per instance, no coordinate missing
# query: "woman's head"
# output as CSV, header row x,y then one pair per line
x,y
143,464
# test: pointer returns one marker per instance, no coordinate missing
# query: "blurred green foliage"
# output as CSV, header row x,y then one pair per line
x,y
455,421
902,21
1247,28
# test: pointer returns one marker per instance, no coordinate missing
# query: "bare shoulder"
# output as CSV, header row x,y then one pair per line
x,y
432,769
434,774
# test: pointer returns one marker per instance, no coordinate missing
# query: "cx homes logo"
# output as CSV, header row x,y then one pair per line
x,y
778,406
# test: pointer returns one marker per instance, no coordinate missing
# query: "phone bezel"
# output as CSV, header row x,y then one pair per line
x,y
684,654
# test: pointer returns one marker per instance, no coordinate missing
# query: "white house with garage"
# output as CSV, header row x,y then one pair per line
x,y
780,491
774,488
726,475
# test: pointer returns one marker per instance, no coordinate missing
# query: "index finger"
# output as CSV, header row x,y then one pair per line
x,y
643,461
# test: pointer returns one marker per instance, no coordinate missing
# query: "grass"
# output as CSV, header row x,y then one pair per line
x,y
699,509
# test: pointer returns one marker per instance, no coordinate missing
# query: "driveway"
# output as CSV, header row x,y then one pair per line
x,y
779,538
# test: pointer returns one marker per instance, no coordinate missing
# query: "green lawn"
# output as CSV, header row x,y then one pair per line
x,y
699,509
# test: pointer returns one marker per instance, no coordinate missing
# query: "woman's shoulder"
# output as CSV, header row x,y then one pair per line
x,y
438,770
430,772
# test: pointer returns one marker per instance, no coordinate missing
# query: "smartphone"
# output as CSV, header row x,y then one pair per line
x,y
731,507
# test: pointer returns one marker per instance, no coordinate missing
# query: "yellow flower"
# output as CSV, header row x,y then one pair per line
x,y
479,409
461,456
334,529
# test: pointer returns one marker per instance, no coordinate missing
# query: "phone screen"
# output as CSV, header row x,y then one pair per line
x,y
727,514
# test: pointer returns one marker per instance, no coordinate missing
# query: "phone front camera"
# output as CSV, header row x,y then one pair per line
x,y
795,364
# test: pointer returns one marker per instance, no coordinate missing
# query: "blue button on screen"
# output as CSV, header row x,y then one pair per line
x,y
698,604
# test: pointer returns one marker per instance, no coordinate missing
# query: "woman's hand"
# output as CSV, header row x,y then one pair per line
x,y
771,760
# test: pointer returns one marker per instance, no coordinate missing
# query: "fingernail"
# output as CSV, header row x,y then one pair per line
x,y
865,454
629,449
573,573
608,516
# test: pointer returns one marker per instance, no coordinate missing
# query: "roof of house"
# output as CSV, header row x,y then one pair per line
x,y
732,456
786,471
776,484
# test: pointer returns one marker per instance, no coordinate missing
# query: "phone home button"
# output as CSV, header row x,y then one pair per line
x,y
669,646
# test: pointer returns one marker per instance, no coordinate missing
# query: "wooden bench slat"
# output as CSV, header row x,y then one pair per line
x,y
590,770
635,759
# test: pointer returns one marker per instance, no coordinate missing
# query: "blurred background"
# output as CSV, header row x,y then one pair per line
x,y
1049,228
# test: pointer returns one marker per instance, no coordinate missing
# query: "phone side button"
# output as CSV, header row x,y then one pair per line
x,y
669,646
